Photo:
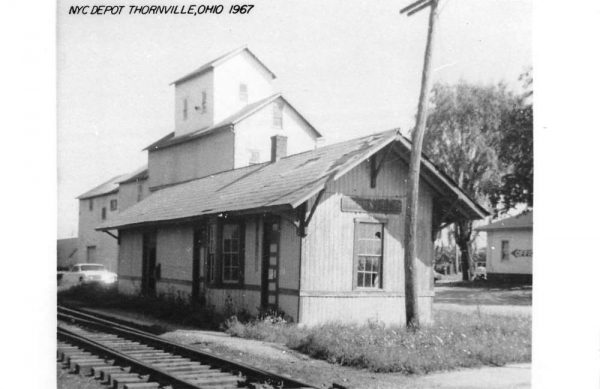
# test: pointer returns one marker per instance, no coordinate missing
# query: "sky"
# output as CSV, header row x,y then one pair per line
x,y
350,67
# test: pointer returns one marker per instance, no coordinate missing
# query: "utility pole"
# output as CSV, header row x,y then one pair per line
x,y
412,189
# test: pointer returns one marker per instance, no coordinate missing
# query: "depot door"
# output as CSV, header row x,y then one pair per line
x,y
198,260
270,263
149,270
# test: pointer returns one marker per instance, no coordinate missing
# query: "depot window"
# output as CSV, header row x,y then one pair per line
x,y
368,254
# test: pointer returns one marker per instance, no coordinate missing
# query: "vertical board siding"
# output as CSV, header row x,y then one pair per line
x,y
289,256
174,252
251,272
327,254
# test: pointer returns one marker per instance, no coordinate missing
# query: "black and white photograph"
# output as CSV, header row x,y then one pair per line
x,y
302,194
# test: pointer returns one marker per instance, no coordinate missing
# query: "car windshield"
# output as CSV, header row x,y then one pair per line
x,y
92,267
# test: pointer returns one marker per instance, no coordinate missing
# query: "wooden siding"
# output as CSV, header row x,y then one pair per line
x,y
175,255
174,252
253,253
194,159
327,252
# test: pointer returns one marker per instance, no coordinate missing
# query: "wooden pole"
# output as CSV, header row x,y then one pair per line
x,y
412,189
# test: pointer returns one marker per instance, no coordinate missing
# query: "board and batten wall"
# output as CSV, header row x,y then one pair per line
x,y
174,253
326,286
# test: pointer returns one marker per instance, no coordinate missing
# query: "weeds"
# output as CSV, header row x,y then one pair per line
x,y
456,340
173,307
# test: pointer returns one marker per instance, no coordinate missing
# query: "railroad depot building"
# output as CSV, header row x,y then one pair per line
x,y
509,248
246,212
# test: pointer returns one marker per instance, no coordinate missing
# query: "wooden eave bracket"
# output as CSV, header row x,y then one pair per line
x,y
304,221
111,234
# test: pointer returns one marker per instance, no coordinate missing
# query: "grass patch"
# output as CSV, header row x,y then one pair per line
x,y
456,340
167,307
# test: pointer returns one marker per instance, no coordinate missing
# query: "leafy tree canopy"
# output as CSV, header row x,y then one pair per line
x,y
516,152
464,134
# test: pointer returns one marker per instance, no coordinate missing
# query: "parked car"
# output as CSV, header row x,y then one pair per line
x,y
436,276
87,272
480,273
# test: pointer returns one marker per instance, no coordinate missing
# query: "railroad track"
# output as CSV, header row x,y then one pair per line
x,y
128,358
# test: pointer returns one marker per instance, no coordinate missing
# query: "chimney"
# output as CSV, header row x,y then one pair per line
x,y
278,147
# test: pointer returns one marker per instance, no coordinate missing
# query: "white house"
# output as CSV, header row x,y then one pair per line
x,y
510,248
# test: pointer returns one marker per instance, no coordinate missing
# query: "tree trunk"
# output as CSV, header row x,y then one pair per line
x,y
462,236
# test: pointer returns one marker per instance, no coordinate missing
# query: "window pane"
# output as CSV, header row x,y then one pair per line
x,y
369,246
368,279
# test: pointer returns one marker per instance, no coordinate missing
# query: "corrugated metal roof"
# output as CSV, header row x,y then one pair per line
x,y
286,183
523,220
219,60
247,111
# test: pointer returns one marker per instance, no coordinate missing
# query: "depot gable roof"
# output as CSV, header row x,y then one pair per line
x,y
284,184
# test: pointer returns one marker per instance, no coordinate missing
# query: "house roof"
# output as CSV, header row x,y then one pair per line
x,y
219,60
245,112
521,221
284,184
107,187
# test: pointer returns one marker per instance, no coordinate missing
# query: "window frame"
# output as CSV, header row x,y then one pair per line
x,y
185,108
357,222
203,102
504,255
243,92
91,205
103,213
214,268
278,114
113,204
140,191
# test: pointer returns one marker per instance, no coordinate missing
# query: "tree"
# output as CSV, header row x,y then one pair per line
x,y
516,152
463,138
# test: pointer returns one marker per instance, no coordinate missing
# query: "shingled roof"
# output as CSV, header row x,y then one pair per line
x,y
228,122
284,184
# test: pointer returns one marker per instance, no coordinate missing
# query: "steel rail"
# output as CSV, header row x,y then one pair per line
x,y
141,368
250,372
